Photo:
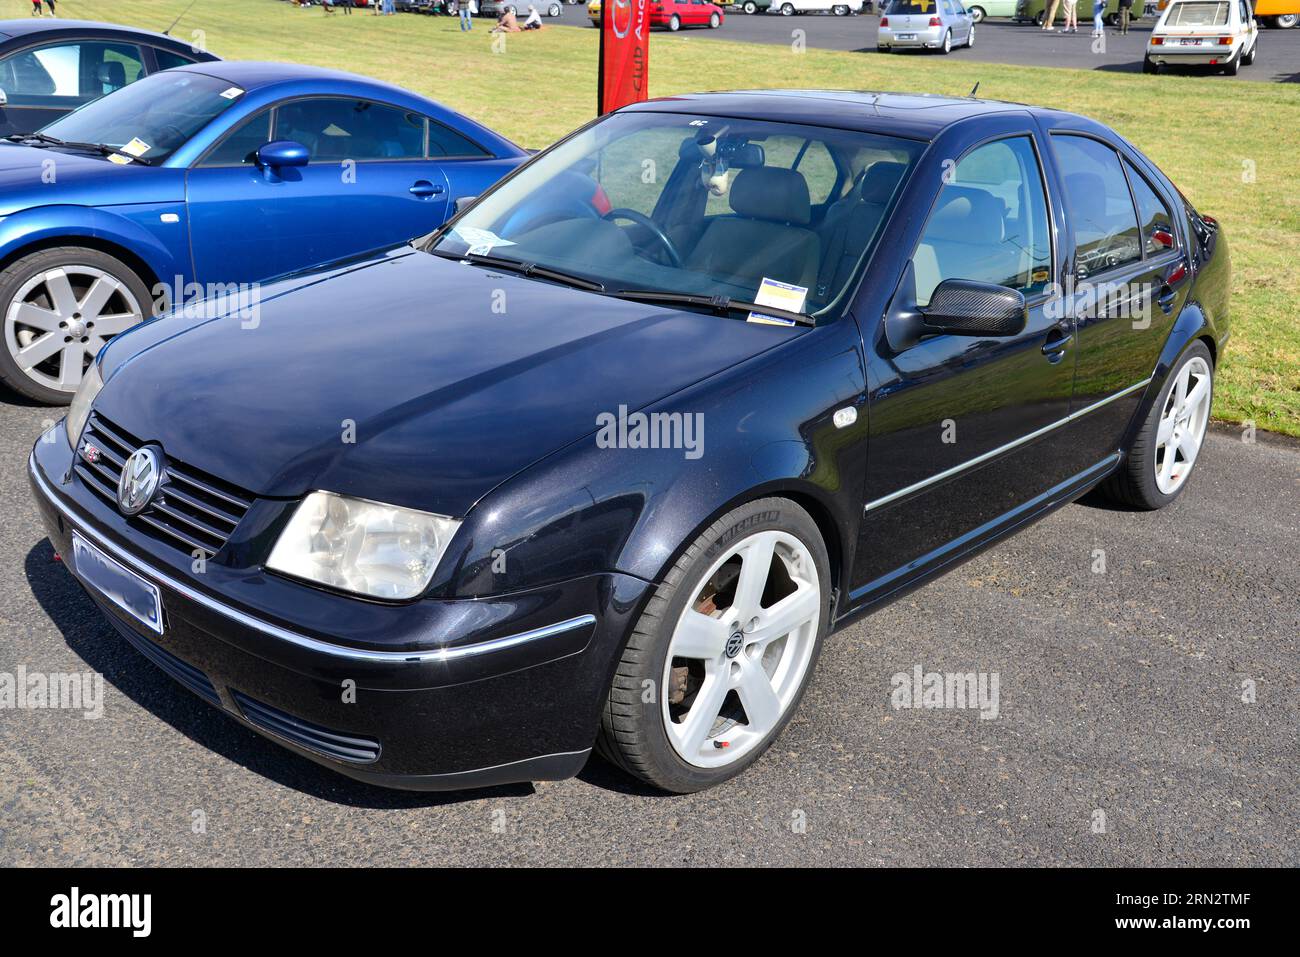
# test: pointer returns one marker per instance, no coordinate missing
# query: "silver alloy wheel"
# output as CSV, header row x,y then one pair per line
x,y
732,673
60,318
1182,425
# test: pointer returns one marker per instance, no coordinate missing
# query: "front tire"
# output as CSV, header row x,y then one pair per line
x,y
674,23
1163,454
1285,21
750,7
721,655
977,14
840,10
787,10
60,306
715,21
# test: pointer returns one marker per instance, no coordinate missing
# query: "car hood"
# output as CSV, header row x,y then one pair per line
x,y
412,379
30,176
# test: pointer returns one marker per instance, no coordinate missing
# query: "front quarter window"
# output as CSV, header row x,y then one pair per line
x,y
696,205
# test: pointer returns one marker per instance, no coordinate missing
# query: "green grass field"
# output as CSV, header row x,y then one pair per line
x,y
1230,146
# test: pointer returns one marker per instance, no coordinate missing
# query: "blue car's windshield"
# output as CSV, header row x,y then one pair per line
x,y
152,117
757,211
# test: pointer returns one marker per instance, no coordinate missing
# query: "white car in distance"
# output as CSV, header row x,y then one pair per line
x,y
1219,33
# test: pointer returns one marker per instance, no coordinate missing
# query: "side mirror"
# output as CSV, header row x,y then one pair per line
x,y
282,153
464,203
963,307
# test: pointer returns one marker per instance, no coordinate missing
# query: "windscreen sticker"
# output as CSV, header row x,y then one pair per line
x,y
136,147
781,295
479,241
768,320
233,93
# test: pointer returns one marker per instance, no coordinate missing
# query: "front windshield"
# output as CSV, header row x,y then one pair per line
x,y
150,118
750,210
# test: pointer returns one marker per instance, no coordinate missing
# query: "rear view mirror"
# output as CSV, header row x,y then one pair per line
x,y
962,307
282,153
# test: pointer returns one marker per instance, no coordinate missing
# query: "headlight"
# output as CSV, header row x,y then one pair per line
x,y
378,550
79,410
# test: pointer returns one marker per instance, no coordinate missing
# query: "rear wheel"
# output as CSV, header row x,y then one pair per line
x,y
977,14
787,10
1166,448
553,10
947,42
715,21
1248,58
719,659
1147,65
61,305
750,7
1232,67
840,10
1285,21
675,23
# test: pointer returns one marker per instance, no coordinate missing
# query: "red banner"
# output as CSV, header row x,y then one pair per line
x,y
624,69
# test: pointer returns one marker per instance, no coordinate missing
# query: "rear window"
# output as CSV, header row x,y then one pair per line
x,y
1198,15
901,8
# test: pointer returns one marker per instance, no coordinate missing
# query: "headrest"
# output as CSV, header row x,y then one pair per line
x,y
771,193
876,183
112,73
967,215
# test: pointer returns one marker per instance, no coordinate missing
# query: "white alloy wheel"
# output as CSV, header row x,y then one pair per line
x,y
732,673
1182,425
59,319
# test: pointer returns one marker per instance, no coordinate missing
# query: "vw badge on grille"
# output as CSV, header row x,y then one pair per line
x,y
139,480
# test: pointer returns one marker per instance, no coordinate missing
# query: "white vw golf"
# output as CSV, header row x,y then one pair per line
x,y
1218,33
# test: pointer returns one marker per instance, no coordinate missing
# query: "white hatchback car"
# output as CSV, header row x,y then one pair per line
x,y
1218,33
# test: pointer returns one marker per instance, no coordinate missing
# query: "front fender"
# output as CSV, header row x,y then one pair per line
x,y
137,228
766,428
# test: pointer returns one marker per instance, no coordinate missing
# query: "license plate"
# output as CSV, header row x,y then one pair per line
x,y
906,36
1191,43
117,584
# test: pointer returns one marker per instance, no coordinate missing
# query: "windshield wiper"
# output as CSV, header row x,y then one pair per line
x,y
720,305
102,148
531,270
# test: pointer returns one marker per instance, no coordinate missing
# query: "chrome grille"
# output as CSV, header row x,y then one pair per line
x,y
191,510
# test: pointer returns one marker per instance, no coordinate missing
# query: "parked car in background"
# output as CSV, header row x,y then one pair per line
x,y
1035,11
507,568
675,14
983,9
1218,33
754,6
1283,14
494,8
217,174
840,8
924,25
50,67
593,12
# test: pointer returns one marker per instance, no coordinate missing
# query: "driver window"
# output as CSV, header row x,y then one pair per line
x,y
240,144
989,223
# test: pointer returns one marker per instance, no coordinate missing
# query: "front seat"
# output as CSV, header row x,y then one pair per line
x,y
769,235
965,240
852,221
112,76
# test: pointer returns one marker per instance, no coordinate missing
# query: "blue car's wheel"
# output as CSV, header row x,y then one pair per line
x,y
60,306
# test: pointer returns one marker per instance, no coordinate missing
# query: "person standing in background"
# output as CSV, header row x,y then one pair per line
x,y
1098,11
1125,6
1050,16
1071,24
50,4
466,19
36,8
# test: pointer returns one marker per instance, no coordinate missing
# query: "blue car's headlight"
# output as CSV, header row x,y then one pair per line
x,y
382,551
84,397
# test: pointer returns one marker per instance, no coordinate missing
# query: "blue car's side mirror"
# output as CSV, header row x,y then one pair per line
x,y
282,153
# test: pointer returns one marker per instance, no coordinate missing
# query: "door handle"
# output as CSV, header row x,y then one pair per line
x,y
1054,347
424,189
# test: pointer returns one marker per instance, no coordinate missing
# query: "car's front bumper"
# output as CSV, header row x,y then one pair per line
x,y
431,695
924,37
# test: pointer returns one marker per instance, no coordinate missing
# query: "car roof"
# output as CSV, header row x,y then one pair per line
x,y
252,75
913,115
46,25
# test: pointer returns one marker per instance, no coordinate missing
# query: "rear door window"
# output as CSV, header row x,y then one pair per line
x,y
1101,210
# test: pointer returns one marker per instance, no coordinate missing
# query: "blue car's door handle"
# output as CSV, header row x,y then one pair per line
x,y
423,188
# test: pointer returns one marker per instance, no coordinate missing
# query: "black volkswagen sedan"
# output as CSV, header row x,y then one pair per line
x,y
603,461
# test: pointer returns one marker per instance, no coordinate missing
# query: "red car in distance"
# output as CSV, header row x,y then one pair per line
x,y
675,14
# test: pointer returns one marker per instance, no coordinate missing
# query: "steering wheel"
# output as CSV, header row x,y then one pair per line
x,y
669,247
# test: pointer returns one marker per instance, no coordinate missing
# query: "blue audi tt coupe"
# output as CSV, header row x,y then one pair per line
x,y
604,460
212,176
